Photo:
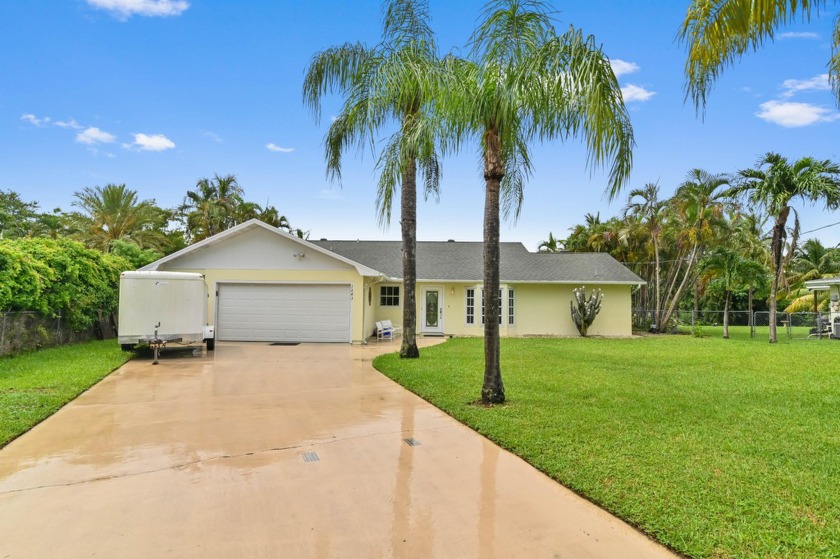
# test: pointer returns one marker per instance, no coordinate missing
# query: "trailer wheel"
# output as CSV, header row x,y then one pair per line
x,y
211,344
127,347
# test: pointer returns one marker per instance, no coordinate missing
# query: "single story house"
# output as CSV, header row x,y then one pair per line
x,y
268,285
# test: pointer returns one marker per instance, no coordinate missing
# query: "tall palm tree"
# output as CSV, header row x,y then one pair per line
x,y
700,203
113,212
732,271
719,32
772,185
392,82
526,82
211,207
644,203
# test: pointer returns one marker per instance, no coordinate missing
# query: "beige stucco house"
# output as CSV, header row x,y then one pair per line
x,y
268,285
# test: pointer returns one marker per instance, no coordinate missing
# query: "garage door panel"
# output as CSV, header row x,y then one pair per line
x,y
280,312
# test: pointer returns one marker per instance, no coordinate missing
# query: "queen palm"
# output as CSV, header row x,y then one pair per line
x,y
392,83
771,186
113,212
717,33
525,82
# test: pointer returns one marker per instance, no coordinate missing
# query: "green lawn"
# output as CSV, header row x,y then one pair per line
x,y
717,448
35,385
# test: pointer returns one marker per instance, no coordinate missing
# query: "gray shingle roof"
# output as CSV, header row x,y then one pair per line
x,y
463,261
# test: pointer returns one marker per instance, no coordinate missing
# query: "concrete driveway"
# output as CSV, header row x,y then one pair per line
x,y
281,451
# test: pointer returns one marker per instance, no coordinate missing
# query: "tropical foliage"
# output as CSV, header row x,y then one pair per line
x,y
717,33
59,277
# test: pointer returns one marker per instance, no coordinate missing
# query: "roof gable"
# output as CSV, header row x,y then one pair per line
x,y
255,245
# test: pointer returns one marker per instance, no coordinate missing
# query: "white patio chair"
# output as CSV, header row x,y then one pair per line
x,y
383,333
395,330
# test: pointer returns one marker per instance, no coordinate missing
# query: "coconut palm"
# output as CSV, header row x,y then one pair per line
x,y
391,83
717,33
732,271
772,185
526,82
113,212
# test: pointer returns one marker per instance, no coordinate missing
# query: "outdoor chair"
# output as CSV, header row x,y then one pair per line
x,y
386,331
396,330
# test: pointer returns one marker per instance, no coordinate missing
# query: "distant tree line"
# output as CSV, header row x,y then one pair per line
x,y
721,241
68,263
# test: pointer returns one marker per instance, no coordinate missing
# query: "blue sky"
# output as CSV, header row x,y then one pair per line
x,y
160,93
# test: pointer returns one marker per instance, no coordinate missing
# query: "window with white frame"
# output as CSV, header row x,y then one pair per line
x,y
510,306
389,296
500,305
470,306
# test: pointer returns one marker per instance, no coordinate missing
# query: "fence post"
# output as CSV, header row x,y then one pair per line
x,y
59,335
692,322
3,333
789,329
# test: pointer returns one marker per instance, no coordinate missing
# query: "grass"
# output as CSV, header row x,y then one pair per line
x,y
717,448
33,386
762,334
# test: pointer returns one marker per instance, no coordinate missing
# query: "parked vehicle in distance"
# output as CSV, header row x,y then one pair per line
x,y
157,308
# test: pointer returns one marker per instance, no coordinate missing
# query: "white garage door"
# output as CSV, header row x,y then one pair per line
x,y
283,313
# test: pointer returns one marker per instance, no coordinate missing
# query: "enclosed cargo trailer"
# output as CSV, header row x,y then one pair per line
x,y
157,308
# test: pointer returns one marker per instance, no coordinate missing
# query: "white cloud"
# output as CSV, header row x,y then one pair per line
x,y
274,147
817,83
93,135
793,115
213,136
34,120
633,93
150,142
798,35
620,67
68,124
124,9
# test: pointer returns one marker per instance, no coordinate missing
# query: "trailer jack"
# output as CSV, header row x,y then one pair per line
x,y
156,343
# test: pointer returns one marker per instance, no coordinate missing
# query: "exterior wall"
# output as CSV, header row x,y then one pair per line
x,y
539,310
351,277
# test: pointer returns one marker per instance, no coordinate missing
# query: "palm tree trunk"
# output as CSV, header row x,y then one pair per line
x,y
493,390
776,247
726,315
657,272
408,221
750,308
689,269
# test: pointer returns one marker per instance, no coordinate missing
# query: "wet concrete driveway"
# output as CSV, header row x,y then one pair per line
x,y
281,451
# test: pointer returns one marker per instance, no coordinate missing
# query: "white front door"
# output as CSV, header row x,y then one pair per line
x,y
431,309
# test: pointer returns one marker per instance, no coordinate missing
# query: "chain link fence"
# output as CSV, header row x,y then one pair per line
x,y
27,331
800,325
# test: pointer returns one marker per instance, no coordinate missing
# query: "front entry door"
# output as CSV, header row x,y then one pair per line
x,y
432,310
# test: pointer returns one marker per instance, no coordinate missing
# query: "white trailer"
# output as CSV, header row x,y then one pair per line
x,y
157,308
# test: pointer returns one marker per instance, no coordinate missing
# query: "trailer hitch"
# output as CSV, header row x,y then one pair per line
x,y
156,343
